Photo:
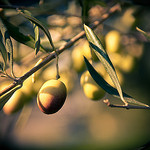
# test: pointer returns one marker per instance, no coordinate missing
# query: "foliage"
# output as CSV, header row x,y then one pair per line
x,y
9,30
45,36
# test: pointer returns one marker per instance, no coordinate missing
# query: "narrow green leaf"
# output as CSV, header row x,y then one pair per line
x,y
20,37
99,50
107,87
8,44
101,3
36,32
4,53
38,23
4,98
86,5
85,9
1,66
37,39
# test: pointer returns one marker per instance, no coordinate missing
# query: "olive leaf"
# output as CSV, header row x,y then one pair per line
x,y
38,23
107,87
37,39
86,5
85,8
20,37
1,66
8,44
36,32
99,50
4,53
4,98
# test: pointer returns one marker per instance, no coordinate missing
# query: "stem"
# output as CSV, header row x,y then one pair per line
x,y
60,50
57,67
7,75
124,106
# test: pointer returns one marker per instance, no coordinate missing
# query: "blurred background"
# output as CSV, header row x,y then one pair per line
x,y
82,123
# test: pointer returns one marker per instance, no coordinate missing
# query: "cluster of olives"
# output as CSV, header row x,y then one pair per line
x,y
122,60
52,94
21,97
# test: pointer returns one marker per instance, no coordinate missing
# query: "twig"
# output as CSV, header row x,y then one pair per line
x,y
124,106
60,50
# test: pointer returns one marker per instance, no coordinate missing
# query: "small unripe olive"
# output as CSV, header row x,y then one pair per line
x,y
51,96
91,89
15,103
112,40
127,64
77,59
77,56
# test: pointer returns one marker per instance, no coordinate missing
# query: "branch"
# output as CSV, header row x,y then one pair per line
x,y
60,50
124,106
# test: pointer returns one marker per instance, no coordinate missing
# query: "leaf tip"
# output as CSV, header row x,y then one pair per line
x,y
85,26
85,59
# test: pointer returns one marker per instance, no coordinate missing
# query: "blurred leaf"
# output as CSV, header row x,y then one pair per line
x,y
86,5
8,44
36,32
4,53
107,87
37,39
20,37
100,2
38,23
1,66
99,50
4,98
144,33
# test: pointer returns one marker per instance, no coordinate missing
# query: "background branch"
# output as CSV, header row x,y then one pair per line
x,y
12,7
52,55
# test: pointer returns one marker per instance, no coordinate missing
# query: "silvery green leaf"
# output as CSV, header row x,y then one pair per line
x,y
107,87
99,50
3,53
38,23
8,44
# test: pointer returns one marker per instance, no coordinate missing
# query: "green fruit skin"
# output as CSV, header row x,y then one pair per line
x,y
15,103
91,89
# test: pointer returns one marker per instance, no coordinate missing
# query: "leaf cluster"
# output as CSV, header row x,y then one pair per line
x,y
8,31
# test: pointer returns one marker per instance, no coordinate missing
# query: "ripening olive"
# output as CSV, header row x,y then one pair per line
x,y
51,96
